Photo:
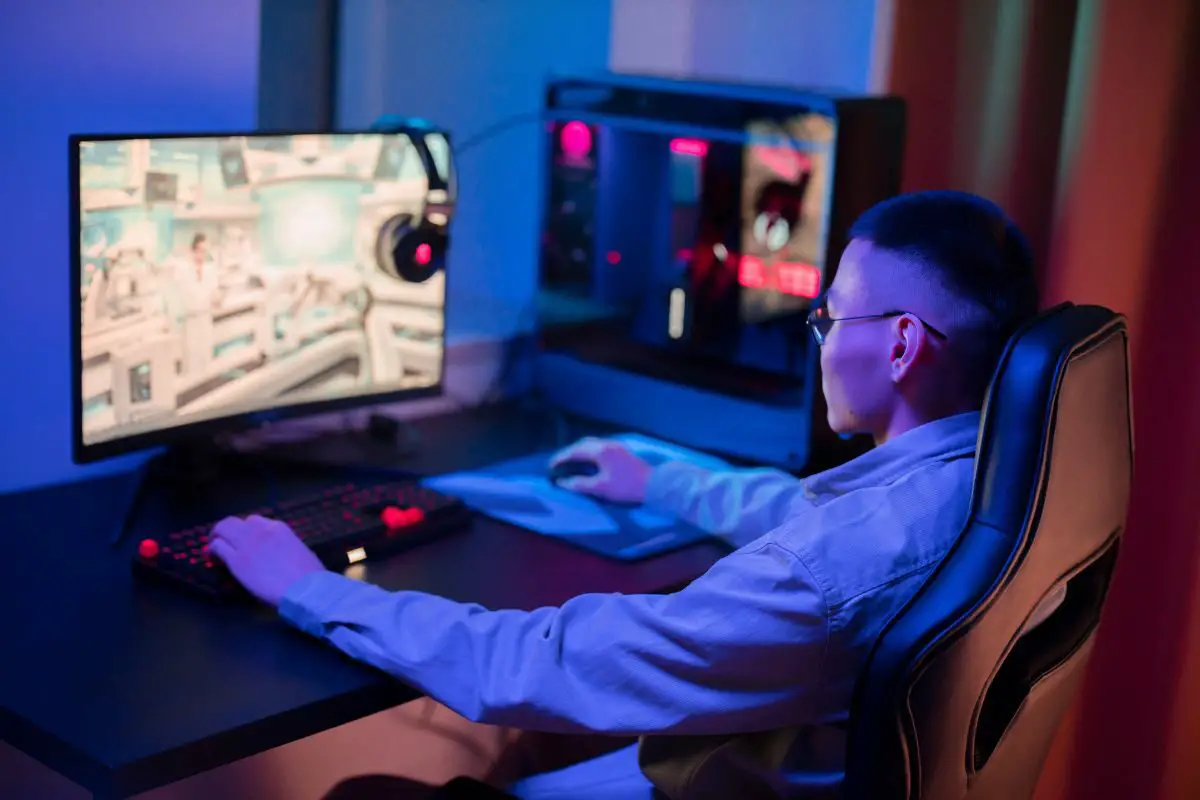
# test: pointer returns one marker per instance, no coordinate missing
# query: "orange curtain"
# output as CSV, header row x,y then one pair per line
x,y
1082,117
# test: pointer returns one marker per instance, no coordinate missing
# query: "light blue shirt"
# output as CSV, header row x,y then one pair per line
x,y
770,640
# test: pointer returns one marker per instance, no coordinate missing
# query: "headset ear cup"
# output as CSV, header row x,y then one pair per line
x,y
385,242
760,228
413,254
412,247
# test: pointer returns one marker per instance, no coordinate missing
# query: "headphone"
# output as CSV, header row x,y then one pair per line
x,y
777,211
413,247
778,206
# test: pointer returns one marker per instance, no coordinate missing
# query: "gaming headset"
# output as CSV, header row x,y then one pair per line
x,y
777,210
413,247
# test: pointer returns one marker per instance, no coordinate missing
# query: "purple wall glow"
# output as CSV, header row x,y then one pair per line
x,y
89,67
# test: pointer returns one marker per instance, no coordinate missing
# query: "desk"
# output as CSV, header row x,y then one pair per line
x,y
122,686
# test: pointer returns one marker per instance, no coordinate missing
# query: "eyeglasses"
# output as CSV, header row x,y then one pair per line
x,y
820,323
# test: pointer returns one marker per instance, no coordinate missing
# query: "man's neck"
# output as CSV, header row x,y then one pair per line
x,y
906,418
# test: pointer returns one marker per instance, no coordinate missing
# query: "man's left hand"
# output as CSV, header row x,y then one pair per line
x,y
265,555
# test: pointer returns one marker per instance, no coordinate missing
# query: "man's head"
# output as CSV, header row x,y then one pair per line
x,y
937,282
200,247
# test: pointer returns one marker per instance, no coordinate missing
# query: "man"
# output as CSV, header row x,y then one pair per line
x,y
193,294
740,683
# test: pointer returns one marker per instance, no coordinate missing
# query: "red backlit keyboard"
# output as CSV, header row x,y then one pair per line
x,y
343,525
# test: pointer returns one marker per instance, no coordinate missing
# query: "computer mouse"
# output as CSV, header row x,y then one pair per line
x,y
573,468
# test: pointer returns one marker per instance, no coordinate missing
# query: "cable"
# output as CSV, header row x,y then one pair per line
x,y
492,131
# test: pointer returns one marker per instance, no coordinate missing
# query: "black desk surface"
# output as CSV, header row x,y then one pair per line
x,y
122,686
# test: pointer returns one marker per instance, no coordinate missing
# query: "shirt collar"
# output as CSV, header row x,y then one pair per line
x,y
941,440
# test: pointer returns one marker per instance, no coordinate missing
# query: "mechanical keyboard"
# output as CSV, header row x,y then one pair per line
x,y
343,525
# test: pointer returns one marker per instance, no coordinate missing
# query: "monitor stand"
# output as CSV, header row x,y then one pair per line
x,y
183,471
191,471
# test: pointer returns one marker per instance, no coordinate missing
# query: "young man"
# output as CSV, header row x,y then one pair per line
x,y
740,684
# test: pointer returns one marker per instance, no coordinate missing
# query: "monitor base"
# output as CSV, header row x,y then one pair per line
x,y
182,471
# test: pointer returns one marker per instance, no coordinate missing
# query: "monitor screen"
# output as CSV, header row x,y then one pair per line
x,y
221,276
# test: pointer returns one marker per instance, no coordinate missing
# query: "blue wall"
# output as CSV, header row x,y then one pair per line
x,y
489,65
89,66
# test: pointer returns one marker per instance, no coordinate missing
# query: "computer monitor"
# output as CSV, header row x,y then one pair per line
x,y
222,280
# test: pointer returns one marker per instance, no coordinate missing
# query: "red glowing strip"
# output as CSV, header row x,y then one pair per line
x,y
751,272
689,147
784,162
801,280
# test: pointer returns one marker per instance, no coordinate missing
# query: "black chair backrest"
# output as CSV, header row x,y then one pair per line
x,y
961,697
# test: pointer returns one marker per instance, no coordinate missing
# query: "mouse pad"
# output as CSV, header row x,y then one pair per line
x,y
518,492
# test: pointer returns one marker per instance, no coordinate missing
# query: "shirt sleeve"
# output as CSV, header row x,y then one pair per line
x,y
737,505
741,648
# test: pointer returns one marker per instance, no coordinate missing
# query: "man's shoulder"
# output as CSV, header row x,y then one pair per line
x,y
873,537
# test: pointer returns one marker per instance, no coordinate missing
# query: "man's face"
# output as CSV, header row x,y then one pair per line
x,y
855,364
200,251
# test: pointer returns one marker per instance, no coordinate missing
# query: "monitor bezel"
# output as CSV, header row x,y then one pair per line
x,y
88,453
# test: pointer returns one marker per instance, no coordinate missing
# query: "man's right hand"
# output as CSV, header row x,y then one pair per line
x,y
622,476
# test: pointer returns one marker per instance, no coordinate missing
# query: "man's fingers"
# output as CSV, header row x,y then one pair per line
x,y
581,484
231,529
589,446
221,549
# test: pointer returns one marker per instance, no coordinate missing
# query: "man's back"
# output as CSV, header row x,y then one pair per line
x,y
867,533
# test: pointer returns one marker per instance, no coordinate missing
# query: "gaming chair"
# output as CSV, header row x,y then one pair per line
x,y
953,702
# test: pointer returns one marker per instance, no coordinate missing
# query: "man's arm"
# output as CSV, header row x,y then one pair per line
x,y
737,505
742,648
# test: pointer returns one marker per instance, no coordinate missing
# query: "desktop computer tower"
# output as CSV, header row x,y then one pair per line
x,y
688,229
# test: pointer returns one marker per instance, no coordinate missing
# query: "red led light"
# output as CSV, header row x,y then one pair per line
x,y
689,147
751,272
394,517
614,257
424,254
801,280
575,138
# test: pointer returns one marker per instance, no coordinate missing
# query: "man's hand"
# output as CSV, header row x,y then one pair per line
x,y
622,476
265,555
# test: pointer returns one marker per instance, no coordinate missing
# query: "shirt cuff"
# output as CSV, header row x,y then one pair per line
x,y
669,483
309,603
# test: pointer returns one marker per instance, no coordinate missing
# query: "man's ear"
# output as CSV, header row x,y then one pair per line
x,y
908,338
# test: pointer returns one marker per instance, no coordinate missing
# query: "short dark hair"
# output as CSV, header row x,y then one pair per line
x,y
199,238
979,253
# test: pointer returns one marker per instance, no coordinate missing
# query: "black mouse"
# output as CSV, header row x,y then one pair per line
x,y
573,468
